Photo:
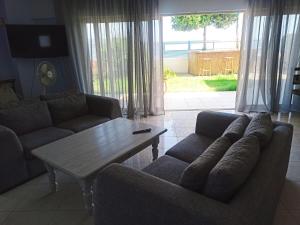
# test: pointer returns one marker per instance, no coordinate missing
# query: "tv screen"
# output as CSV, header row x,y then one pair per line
x,y
37,41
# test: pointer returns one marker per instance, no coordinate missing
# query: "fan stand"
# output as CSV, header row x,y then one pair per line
x,y
44,90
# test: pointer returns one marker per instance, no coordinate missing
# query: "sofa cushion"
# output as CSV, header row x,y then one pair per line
x,y
233,169
83,122
59,95
190,147
8,97
213,124
26,118
167,168
261,126
236,129
67,108
195,175
41,137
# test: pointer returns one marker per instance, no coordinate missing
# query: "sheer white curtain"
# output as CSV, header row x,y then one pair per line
x,y
115,46
269,53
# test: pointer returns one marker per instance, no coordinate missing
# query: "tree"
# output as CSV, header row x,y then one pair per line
x,y
195,22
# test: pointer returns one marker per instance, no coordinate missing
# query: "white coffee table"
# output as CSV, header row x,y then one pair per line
x,y
84,154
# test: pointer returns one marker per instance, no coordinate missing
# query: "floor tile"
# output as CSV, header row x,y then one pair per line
x,y
69,218
28,218
296,215
3,216
290,196
284,218
295,155
199,100
170,133
7,203
184,132
167,142
71,198
293,171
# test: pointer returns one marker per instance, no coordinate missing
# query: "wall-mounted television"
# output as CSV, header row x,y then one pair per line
x,y
37,41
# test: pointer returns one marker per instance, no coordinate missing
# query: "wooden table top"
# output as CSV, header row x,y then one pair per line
x,y
89,151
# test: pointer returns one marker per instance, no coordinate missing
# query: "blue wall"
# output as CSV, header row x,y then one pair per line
x,y
7,69
23,70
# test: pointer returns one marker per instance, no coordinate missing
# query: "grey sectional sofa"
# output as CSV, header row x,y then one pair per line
x,y
29,126
154,197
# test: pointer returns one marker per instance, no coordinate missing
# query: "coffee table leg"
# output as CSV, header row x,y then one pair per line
x,y
52,178
155,148
87,194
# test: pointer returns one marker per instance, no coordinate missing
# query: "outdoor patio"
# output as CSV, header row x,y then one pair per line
x,y
199,100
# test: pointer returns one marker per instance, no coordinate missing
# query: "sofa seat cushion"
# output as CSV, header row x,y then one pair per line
x,y
195,175
190,148
232,171
167,168
26,118
41,137
82,123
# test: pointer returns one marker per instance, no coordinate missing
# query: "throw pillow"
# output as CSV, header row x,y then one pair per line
x,y
232,171
8,97
236,129
195,175
26,118
261,126
67,108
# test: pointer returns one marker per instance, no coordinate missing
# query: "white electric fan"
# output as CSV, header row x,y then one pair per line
x,y
47,75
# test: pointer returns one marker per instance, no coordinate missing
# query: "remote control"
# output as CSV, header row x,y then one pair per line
x,y
142,131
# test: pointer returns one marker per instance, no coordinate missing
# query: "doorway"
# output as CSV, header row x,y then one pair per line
x,y
201,60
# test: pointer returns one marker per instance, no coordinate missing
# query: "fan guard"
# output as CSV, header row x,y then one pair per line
x,y
47,73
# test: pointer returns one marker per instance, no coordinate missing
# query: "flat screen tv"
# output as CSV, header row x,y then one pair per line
x,y
37,41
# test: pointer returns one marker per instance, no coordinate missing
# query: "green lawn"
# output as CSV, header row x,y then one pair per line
x,y
191,83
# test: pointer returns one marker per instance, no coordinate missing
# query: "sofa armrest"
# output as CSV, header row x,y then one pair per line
x,y
12,163
130,197
213,124
10,145
104,106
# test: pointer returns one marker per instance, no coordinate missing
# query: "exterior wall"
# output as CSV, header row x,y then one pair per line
x,y
214,62
178,65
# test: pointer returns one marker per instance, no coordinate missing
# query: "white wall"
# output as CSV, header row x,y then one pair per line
x,y
196,6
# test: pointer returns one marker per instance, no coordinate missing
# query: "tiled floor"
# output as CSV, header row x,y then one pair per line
x,y
199,100
32,204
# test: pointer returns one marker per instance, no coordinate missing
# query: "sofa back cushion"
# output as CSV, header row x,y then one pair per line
x,y
8,97
26,118
236,129
195,175
58,95
261,126
233,169
68,107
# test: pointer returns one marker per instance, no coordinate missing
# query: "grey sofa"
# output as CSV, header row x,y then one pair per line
x,y
153,197
29,126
